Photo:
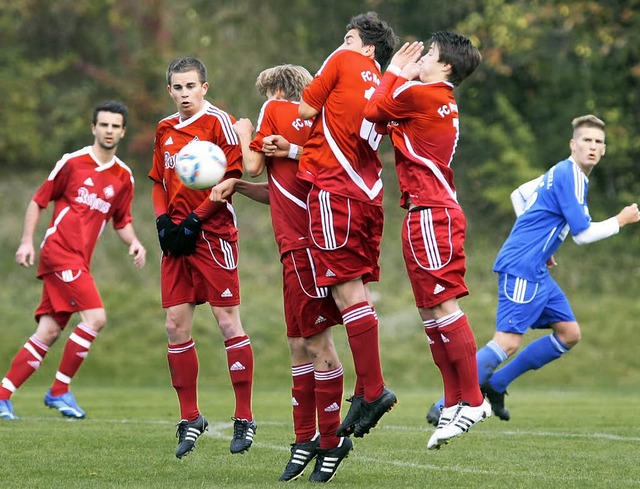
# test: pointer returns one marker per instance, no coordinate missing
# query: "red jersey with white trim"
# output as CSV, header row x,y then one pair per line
x,y
287,192
210,124
340,155
423,126
86,194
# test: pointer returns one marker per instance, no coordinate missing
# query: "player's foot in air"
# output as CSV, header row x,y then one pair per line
x,y
328,461
301,455
497,401
64,403
465,417
188,432
352,417
6,410
447,415
371,412
433,415
243,432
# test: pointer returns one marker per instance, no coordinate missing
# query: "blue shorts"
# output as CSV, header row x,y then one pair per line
x,y
523,304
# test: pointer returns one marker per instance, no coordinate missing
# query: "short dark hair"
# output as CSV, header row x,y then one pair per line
x,y
458,51
111,106
375,32
182,65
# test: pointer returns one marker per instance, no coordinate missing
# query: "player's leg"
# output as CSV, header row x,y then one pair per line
x,y
28,359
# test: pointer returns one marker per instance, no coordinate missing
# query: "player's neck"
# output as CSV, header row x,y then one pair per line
x,y
103,155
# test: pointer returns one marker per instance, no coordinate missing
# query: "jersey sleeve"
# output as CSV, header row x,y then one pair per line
x,y
54,186
572,193
384,106
317,92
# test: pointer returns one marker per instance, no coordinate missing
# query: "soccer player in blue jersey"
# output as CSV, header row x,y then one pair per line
x,y
548,209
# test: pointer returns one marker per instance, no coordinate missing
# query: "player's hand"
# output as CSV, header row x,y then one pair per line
x,y
408,53
25,255
551,262
188,231
243,127
167,234
221,192
139,254
276,146
628,215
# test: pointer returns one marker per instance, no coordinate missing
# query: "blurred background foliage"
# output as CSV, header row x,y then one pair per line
x,y
545,62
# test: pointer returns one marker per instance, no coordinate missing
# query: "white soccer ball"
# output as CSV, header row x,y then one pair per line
x,y
201,164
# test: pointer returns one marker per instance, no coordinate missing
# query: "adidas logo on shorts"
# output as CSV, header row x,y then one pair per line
x,y
226,293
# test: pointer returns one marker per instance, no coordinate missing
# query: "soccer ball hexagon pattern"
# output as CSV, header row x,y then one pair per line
x,y
201,164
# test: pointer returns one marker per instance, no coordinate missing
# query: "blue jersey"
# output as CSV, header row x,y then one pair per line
x,y
558,206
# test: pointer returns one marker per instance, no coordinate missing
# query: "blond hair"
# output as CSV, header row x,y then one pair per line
x,y
589,120
291,79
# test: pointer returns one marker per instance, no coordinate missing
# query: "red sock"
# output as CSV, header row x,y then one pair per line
x,y
362,330
240,361
329,389
303,399
461,349
24,364
441,359
76,350
183,367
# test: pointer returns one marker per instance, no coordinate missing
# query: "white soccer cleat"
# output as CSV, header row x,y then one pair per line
x,y
464,419
447,415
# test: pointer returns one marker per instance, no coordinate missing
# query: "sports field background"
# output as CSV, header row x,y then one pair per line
x,y
575,422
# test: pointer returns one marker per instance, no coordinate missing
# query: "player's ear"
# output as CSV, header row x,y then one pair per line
x,y
604,149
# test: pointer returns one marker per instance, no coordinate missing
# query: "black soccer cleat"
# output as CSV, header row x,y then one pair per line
x,y
433,415
352,417
371,412
188,432
301,455
497,401
328,461
243,432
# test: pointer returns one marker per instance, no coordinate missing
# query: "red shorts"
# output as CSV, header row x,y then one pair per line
x,y
433,249
308,308
208,275
346,237
66,292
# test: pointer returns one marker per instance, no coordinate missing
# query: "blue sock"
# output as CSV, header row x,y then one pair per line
x,y
489,357
535,355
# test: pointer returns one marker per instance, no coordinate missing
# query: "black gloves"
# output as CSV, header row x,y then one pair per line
x,y
187,235
167,234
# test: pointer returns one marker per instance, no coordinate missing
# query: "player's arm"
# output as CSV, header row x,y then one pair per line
x,y
255,191
305,111
278,146
254,161
25,255
521,195
603,229
128,235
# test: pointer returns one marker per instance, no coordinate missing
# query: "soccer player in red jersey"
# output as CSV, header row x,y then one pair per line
x,y
310,311
88,188
345,202
200,254
416,99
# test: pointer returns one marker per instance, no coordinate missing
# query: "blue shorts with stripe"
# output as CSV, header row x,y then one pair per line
x,y
523,304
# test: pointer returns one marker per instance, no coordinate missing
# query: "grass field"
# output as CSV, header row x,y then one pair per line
x,y
557,439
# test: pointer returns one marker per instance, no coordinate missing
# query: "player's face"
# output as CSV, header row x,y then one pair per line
x,y
187,92
587,147
430,68
353,42
108,130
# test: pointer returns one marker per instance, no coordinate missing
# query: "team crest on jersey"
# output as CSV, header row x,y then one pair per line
x,y
109,192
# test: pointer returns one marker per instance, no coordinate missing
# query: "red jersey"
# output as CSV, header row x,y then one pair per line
x,y
287,192
340,155
424,132
210,124
86,194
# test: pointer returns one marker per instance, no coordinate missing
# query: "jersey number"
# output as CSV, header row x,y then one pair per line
x,y
368,129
